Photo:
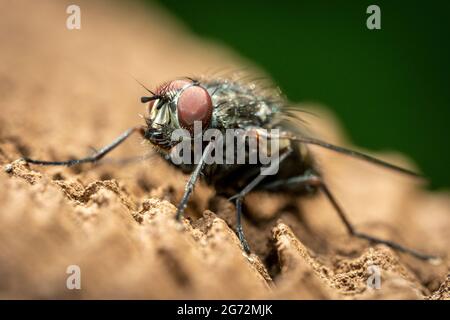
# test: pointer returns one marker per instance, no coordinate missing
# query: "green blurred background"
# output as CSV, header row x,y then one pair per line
x,y
389,87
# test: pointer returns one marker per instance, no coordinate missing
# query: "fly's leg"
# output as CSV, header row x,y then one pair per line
x,y
191,183
239,230
241,195
369,237
312,180
95,157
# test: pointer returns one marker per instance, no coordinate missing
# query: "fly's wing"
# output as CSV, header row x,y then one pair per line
x,y
291,120
242,101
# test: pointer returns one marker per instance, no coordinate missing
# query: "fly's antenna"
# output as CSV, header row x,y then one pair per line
x,y
147,99
352,153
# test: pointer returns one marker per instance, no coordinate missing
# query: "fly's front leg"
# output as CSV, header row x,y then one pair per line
x,y
95,157
240,198
310,179
191,183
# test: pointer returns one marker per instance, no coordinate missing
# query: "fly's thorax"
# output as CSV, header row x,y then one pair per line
x,y
238,105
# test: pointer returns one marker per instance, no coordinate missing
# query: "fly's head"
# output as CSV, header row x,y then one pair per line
x,y
176,105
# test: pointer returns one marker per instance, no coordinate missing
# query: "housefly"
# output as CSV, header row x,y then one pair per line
x,y
226,103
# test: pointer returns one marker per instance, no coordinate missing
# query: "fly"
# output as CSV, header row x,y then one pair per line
x,y
224,104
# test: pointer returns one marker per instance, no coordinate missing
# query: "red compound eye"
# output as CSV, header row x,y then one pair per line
x,y
168,87
174,85
194,104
